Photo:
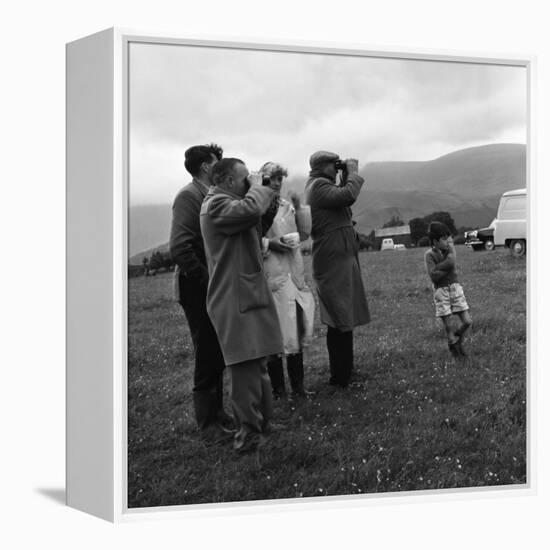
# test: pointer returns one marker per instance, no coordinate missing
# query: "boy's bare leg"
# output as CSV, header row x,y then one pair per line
x,y
447,323
466,321
452,339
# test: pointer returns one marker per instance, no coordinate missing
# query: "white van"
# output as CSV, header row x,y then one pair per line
x,y
510,225
387,244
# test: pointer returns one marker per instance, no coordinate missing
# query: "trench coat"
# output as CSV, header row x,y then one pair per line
x,y
336,268
238,300
285,276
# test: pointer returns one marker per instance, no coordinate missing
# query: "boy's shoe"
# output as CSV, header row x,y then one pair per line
x,y
454,348
461,349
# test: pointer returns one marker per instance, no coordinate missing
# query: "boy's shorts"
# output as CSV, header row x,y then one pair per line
x,y
449,299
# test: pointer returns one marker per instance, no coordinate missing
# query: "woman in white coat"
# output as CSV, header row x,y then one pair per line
x,y
284,269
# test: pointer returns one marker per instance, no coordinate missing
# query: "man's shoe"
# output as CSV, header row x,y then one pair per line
x,y
216,434
271,427
226,420
249,443
338,384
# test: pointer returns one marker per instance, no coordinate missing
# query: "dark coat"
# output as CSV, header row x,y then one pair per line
x,y
336,268
239,301
186,245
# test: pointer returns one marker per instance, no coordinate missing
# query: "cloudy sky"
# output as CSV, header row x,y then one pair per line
x,y
277,106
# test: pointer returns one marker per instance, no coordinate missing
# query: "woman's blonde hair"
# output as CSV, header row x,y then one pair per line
x,y
271,169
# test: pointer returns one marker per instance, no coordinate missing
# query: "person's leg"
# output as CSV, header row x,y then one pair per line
x,y
266,403
465,324
340,351
347,355
276,375
333,354
251,401
295,368
452,339
209,363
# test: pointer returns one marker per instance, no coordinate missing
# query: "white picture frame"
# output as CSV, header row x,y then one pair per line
x,y
97,258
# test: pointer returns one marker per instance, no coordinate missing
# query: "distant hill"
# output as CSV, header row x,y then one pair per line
x,y
137,259
149,227
467,183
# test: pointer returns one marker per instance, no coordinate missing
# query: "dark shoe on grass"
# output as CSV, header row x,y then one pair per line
x,y
302,394
251,443
226,421
216,434
338,383
461,349
454,348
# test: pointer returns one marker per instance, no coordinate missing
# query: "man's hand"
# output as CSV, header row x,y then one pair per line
x,y
352,166
277,245
254,179
451,244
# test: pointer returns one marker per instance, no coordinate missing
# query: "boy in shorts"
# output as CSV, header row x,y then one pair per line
x,y
448,295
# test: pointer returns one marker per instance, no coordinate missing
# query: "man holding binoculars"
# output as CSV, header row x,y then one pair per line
x,y
336,268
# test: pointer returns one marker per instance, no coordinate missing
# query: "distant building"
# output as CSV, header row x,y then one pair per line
x,y
400,234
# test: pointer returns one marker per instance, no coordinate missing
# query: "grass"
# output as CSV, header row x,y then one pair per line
x,y
416,418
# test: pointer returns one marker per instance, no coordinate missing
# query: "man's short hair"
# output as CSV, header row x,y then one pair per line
x,y
196,155
436,230
223,169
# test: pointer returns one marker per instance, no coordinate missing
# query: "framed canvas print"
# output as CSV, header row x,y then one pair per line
x,y
296,273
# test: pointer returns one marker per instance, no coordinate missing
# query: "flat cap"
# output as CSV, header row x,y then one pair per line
x,y
321,157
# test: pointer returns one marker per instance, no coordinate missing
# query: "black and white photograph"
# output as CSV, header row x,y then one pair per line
x,y
326,274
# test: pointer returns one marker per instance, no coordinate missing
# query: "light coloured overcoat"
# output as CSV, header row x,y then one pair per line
x,y
239,301
286,278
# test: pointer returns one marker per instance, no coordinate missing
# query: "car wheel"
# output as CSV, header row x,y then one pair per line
x,y
477,247
518,247
489,245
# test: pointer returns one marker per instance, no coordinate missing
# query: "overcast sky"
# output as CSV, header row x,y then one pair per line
x,y
282,107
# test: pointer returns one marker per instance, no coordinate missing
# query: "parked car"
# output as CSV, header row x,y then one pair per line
x,y
481,239
508,229
511,222
399,246
387,244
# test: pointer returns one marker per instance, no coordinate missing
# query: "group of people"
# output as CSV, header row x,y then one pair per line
x,y
240,280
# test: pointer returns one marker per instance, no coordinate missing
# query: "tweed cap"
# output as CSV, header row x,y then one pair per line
x,y
321,157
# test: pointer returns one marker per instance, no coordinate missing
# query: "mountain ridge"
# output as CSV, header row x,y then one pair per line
x,y
467,183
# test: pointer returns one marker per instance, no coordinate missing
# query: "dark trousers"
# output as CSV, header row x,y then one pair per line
x,y
340,354
209,363
251,398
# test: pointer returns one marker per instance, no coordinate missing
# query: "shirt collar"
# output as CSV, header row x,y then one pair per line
x,y
202,186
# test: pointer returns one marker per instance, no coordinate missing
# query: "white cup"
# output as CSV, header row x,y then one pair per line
x,y
293,239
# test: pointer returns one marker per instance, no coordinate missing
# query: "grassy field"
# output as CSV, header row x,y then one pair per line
x,y
416,418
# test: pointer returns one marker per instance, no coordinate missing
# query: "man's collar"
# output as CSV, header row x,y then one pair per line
x,y
202,186
216,190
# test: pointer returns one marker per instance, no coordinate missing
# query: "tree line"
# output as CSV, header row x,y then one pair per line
x,y
162,261
419,229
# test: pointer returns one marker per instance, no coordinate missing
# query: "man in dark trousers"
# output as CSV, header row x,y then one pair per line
x,y
191,283
336,268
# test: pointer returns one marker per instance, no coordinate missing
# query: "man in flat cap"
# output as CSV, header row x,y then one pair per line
x,y
336,268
